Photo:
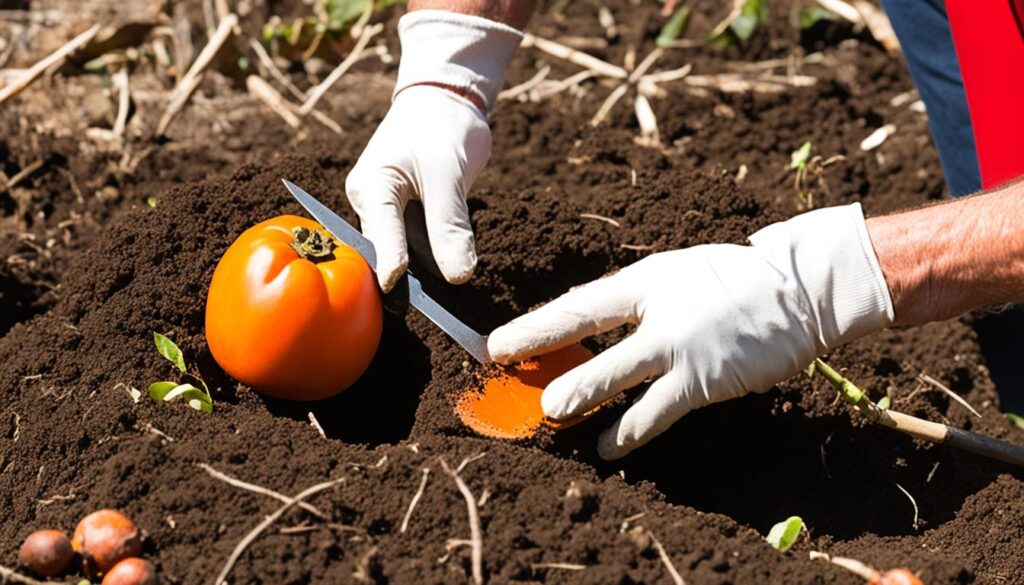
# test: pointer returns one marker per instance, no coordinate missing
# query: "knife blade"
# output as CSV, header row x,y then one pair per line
x,y
465,336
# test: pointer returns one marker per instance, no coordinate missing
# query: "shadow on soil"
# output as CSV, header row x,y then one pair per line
x,y
392,385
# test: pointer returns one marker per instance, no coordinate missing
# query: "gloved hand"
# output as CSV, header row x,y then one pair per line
x,y
434,140
714,322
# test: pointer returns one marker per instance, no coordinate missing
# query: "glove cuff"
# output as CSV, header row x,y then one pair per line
x,y
466,52
835,266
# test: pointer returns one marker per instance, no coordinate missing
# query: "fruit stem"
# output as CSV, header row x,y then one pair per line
x,y
850,391
313,245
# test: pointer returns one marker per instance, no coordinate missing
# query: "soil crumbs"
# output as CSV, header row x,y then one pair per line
x,y
74,438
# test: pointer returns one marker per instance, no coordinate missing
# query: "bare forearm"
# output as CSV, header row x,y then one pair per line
x,y
943,260
515,13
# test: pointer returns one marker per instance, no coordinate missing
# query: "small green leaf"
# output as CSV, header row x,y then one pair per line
x,y
798,159
151,201
168,391
809,370
674,27
812,15
84,582
738,28
1017,420
884,403
169,350
243,63
784,534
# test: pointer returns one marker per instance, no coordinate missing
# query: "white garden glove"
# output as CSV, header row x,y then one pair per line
x,y
715,322
433,142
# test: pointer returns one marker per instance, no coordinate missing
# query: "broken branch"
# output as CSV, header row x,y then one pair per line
x,y
33,72
476,538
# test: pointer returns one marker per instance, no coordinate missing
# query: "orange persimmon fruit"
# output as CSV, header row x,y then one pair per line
x,y
292,312
506,402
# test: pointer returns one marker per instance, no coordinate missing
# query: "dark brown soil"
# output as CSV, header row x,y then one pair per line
x,y
81,313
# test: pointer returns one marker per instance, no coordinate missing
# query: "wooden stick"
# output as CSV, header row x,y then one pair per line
x,y
194,76
33,73
276,102
257,489
24,174
318,92
123,101
476,538
561,566
573,56
255,532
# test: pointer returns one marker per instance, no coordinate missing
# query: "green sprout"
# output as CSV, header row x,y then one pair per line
x,y
674,27
151,201
806,167
1017,420
741,23
167,391
784,534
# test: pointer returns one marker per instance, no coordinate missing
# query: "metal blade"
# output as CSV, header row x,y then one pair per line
x,y
470,340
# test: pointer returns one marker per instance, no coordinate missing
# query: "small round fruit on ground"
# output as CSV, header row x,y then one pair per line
x,y
46,552
899,577
291,312
131,572
104,538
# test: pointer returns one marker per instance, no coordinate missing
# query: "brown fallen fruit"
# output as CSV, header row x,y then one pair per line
x,y
131,572
46,552
103,538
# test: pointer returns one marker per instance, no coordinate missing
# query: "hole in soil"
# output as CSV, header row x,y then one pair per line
x,y
758,467
380,408
19,300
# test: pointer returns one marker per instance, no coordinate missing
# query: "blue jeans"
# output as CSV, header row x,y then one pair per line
x,y
923,29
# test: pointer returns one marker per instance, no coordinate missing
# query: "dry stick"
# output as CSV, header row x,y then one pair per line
x,y
33,73
273,100
671,75
319,91
676,577
12,576
942,388
609,103
562,566
476,539
526,86
852,565
123,101
644,65
24,174
316,424
255,532
188,84
844,9
607,220
259,490
274,71
556,87
607,20
415,500
572,55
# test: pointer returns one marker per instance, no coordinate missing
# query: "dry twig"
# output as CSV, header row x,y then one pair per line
x,y
123,102
945,390
191,80
275,71
12,576
24,174
853,565
607,220
676,577
415,500
256,489
318,92
255,532
276,102
316,424
561,566
33,72
912,502
476,538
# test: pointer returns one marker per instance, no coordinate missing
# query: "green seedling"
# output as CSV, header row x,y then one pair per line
x,y
674,27
741,23
151,201
809,168
1018,421
784,534
199,399
331,18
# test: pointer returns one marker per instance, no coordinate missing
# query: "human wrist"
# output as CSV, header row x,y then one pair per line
x,y
463,53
